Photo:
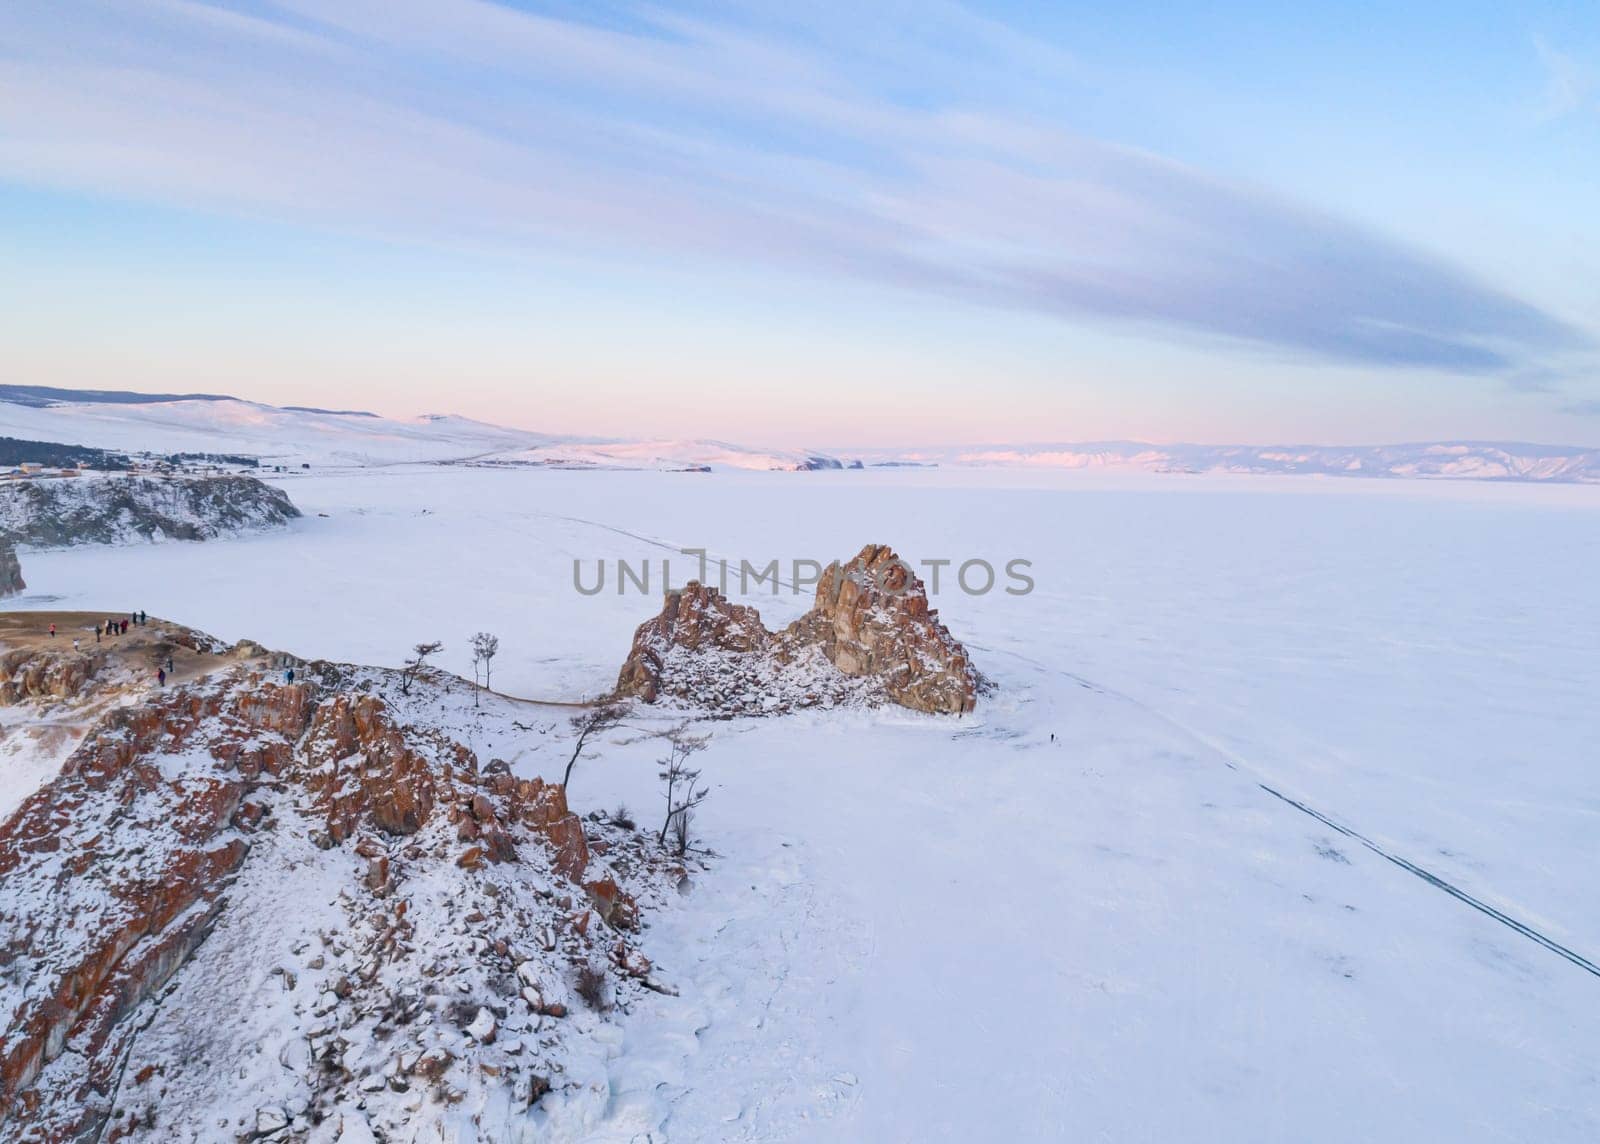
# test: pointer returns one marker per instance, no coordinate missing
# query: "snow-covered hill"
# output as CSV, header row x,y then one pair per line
x,y
282,436
672,455
292,435
60,512
251,907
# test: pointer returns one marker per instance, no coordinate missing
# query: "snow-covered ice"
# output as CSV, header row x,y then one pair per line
x,y
925,929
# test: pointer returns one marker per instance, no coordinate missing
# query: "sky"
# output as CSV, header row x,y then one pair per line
x,y
822,224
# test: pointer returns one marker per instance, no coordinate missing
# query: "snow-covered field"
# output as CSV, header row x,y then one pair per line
x,y
929,929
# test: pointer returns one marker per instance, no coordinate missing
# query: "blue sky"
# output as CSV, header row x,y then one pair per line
x,y
828,224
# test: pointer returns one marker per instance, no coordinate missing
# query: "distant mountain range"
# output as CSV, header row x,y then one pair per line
x,y
215,423
1478,460
39,396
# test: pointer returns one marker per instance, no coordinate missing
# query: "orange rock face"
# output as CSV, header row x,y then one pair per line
x,y
100,937
870,621
696,618
116,870
34,673
871,618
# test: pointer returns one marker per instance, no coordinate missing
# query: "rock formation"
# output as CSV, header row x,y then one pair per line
x,y
54,513
417,906
872,619
696,620
11,581
869,637
46,673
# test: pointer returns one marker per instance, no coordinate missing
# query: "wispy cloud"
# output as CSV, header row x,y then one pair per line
x,y
734,138
1569,87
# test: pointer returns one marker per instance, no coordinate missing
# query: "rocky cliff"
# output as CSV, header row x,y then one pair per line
x,y
869,637
11,581
250,908
57,512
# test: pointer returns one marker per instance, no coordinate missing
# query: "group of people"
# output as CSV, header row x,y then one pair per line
x,y
115,627
119,627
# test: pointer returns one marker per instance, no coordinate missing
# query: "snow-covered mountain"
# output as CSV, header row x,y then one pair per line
x,y
1481,460
294,435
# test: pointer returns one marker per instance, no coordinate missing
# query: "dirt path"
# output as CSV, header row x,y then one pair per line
x,y
143,651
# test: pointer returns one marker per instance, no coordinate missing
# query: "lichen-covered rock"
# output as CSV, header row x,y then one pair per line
x,y
869,637
96,937
174,816
44,673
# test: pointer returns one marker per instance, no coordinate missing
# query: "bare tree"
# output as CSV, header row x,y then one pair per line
x,y
484,649
414,665
682,829
682,782
597,720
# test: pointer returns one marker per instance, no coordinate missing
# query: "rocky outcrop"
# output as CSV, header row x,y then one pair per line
x,y
59,512
870,636
696,619
96,938
139,857
871,618
28,673
11,581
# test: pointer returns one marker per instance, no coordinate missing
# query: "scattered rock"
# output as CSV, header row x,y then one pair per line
x,y
270,1121
482,1027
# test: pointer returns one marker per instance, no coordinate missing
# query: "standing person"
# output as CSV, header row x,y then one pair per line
x,y
124,627
74,643
169,663
52,631
97,631
161,677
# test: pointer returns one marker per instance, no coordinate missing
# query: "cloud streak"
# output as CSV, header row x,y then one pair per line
x,y
720,137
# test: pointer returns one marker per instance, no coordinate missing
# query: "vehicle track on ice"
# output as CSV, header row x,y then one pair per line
x,y
1233,762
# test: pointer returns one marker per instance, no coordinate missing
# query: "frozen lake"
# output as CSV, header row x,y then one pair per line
x,y
932,930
